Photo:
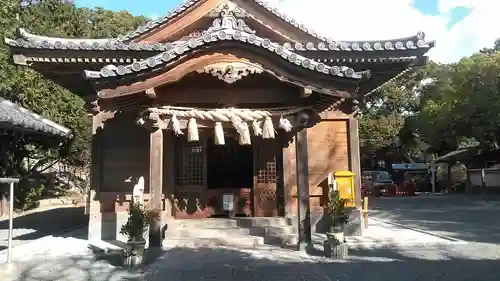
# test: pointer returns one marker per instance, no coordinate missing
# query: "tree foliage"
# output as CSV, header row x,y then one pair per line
x,y
463,105
436,109
31,90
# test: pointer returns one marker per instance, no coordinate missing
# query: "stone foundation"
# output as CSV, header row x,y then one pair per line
x,y
320,225
106,226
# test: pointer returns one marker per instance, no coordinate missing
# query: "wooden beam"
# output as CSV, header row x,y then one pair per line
x,y
156,185
259,95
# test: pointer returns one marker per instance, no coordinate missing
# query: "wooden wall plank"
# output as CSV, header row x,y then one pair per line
x,y
125,154
328,152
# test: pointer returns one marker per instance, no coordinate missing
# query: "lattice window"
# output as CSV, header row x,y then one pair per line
x,y
267,198
186,201
266,169
189,164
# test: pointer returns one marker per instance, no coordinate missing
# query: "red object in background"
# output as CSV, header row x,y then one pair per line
x,y
408,189
391,190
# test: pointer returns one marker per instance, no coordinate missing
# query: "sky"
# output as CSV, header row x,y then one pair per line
x,y
460,27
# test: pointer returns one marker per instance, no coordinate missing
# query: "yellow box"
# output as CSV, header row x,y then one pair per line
x,y
345,186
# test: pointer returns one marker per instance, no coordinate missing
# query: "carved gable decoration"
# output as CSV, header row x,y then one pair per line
x,y
231,72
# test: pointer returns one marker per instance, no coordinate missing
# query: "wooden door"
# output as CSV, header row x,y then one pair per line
x,y
266,175
190,180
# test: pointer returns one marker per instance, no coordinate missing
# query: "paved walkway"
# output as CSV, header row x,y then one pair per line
x,y
383,234
229,263
472,218
39,223
436,258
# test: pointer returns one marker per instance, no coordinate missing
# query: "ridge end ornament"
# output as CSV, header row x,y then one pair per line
x,y
228,18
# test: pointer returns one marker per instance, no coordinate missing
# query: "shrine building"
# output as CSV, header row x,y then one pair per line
x,y
219,97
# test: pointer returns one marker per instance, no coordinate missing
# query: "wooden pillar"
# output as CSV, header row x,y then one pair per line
x,y
354,159
155,184
354,227
93,206
304,210
169,174
96,158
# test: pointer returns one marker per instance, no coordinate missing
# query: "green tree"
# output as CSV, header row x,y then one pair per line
x,y
462,107
435,109
495,48
384,115
31,90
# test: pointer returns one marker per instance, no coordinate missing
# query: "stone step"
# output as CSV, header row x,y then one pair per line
x,y
279,230
275,231
267,221
282,240
233,222
217,232
206,223
243,241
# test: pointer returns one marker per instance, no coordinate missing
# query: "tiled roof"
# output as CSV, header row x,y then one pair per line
x,y
15,117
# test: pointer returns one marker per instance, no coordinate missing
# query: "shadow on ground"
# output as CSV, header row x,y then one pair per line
x,y
251,264
471,218
47,222
458,216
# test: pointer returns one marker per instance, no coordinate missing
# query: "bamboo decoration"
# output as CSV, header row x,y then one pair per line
x,y
268,130
285,124
219,134
193,131
244,133
257,130
176,127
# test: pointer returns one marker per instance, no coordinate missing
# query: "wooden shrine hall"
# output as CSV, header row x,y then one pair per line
x,y
219,97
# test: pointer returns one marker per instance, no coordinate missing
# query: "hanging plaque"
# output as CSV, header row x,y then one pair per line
x,y
228,202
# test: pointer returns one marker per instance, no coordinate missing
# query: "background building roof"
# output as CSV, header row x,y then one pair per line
x,y
18,118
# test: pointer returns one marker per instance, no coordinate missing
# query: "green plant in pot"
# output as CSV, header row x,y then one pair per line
x,y
135,229
337,212
338,215
137,223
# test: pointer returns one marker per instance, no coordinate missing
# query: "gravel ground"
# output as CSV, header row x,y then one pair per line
x,y
470,218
